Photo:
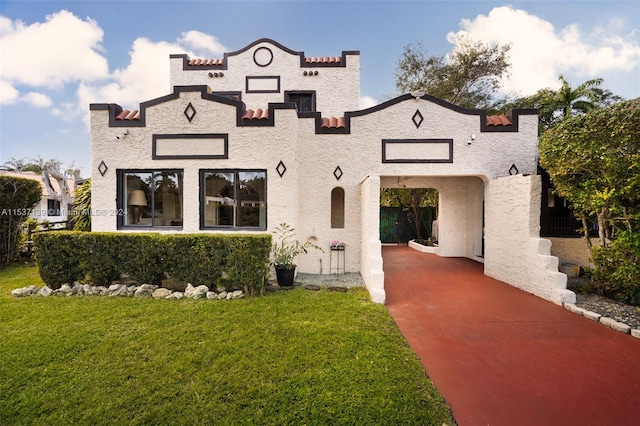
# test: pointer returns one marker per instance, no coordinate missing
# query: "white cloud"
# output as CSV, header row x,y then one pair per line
x,y
202,44
48,54
8,93
39,100
540,52
367,102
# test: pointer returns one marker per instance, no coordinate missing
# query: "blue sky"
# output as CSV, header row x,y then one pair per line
x,y
57,57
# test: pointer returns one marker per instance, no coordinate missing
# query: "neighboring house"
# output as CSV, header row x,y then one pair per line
x,y
55,203
267,135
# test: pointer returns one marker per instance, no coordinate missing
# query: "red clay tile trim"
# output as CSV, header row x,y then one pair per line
x,y
333,123
258,114
323,60
204,62
128,115
498,120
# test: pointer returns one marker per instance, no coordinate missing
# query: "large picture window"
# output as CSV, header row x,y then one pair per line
x,y
151,198
233,199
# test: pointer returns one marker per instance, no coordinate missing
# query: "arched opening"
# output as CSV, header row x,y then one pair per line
x,y
337,207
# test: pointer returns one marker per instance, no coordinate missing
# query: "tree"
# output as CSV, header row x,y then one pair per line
x,y
556,105
470,76
17,197
81,219
15,165
594,162
413,200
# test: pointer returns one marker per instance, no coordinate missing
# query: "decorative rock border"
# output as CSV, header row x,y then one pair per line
x,y
123,290
609,322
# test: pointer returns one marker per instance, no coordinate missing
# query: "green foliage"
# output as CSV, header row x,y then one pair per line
x,y
81,218
470,76
594,162
412,200
617,268
202,259
17,198
286,248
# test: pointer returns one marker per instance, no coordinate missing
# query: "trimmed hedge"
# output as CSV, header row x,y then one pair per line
x,y
18,197
99,258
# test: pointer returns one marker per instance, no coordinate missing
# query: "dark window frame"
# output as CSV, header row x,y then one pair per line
x,y
121,196
236,172
291,95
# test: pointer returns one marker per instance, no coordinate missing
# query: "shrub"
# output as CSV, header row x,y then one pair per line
x,y
17,198
230,260
617,268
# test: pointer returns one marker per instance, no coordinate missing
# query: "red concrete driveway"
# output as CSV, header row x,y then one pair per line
x,y
500,356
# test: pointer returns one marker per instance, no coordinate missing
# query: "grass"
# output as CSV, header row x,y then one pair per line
x,y
291,358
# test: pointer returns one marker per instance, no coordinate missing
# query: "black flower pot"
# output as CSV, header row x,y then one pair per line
x,y
285,275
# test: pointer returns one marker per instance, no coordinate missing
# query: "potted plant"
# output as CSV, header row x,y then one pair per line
x,y
284,251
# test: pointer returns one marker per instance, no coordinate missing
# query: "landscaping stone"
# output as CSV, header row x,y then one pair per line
x,y
45,291
123,290
593,316
615,325
25,291
161,293
340,289
575,309
635,333
312,287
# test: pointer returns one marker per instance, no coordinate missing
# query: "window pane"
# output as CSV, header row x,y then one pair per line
x,y
337,208
137,187
251,199
219,199
167,201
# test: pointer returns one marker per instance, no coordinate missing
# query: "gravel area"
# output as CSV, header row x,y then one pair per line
x,y
331,280
620,312
604,306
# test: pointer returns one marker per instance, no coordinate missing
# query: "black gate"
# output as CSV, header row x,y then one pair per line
x,y
395,226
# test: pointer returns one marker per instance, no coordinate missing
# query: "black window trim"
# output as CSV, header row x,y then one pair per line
x,y
120,197
287,98
228,228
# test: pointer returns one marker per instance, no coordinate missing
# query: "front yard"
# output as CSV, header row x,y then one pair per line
x,y
293,357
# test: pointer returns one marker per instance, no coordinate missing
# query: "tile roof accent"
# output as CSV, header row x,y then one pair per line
x,y
498,120
127,115
204,62
333,123
323,60
258,114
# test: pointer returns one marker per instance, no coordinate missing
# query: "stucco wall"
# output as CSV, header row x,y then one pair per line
x,y
572,250
337,88
514,252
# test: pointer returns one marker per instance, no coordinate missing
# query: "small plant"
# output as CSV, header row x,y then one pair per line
x,y
286,247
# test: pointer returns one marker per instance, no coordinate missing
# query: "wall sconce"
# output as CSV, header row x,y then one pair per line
x,y
123,134
137,200
418,94
471,139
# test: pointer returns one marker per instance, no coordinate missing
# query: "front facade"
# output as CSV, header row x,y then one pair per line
x,y
266,135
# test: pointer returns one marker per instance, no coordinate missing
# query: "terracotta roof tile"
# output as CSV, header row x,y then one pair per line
x,y
323,60
204,62
258,114
498,120
127,115
333,123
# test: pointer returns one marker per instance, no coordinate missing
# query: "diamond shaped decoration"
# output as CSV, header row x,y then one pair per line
x,y
281,169
417,118
102,168
513,170
190,112
337,173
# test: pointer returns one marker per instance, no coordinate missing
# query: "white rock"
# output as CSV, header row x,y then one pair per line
x,y
65,288
212,295
188,291
25,291
593,316
222,295
175,295
238,294
635,333
200,292
45,291
143,292
161,293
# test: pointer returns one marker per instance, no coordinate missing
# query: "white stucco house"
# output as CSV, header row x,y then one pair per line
x,y
267,135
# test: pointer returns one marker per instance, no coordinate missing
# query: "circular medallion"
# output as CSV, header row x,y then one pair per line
x,y
262,56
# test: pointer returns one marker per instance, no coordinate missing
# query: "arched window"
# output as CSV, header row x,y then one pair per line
x,y
337,208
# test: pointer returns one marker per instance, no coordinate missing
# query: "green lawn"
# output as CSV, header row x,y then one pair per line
x,y
293,357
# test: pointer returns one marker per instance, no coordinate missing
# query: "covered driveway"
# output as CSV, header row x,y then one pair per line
x,y
501,356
